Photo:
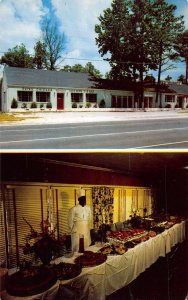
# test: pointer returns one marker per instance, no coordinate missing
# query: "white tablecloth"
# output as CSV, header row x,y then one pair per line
x,y
95,283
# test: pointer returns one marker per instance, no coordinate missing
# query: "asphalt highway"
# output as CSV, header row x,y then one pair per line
x,y
170,133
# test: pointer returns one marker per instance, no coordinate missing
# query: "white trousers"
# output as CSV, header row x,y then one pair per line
x,y
80,228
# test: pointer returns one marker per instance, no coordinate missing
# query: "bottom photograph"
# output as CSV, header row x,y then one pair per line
x,y
94,225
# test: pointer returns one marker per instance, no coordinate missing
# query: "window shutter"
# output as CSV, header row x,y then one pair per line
x,y
2,233
66,200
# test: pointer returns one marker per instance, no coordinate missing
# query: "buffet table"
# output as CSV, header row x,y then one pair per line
x,y
116,272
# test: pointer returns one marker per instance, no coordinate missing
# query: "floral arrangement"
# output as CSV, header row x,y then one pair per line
x,y
43,244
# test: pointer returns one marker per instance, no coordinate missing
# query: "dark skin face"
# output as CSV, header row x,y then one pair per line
x,y
82,201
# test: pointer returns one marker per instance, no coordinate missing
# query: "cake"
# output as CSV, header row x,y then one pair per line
x,y
89,259
30,281
120,249
107,249
66,271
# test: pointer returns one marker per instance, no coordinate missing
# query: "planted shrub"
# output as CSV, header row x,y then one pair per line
x,y
14,103
88,104
168,106
49,105
24,105
41,105
33,105
74,105
102,104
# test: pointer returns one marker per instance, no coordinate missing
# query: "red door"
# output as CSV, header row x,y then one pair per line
x,y
60,101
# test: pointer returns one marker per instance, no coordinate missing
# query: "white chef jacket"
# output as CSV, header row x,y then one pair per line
x,y
79,218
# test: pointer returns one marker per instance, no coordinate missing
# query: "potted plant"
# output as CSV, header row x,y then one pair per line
x,y
43,244
24,105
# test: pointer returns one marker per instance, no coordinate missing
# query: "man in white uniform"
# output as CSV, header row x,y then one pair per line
x,y
79,218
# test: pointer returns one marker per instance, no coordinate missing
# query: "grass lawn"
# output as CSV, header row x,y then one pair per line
x,y
9,117
12,117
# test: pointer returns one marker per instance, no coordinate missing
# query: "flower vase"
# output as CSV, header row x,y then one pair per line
x,y
43,250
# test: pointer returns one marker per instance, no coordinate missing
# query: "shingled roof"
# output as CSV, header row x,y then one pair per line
x,y
179,88
60,79
46,78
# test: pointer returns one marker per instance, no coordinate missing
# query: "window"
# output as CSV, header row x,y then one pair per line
x,y
25,96
43,96
91,98
130,98
125,101
113,102
76,97
118,101
121,101
169,98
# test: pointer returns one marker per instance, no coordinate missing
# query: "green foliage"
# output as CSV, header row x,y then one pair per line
x,y
102,104
88,105
33,105
24,105
49,105
168,105
14,103
135,36
74,105
89,68
181,48
17,57
40,55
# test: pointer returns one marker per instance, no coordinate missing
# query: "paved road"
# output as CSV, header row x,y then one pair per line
x,y
170,133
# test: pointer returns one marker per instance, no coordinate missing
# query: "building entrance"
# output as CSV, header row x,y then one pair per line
x,y
60,101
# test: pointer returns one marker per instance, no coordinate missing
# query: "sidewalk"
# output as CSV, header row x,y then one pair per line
x,y
37,118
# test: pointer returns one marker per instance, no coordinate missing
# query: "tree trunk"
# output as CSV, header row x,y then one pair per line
x,y
159,74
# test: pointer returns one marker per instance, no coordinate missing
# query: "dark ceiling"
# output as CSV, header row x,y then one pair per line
x,y
135,163
140,163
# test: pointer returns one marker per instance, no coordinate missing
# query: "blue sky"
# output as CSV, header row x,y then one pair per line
x,y
20,22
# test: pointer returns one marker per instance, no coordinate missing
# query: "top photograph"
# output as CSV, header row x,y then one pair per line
x,y
94,75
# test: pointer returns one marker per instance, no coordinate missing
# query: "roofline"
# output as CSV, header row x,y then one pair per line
x,y
72,88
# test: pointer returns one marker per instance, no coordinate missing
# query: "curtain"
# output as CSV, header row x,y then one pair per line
x,y
103,205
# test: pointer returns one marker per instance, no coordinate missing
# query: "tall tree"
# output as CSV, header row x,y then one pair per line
x,y
137,34
53,42
112,36
165,28
124,33
17,57
181,48
40,55
88,68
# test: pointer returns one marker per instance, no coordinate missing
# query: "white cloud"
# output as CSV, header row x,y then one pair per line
x,y
19,23
78,19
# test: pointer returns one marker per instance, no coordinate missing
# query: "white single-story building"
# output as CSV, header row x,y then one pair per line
x,y
24,88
